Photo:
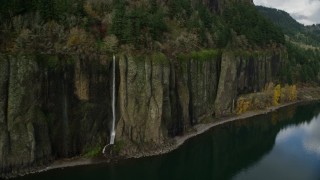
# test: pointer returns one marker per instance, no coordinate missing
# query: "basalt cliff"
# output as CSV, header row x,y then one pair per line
x,y
56,107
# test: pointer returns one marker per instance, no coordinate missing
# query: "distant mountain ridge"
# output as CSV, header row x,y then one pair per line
x,y
295,31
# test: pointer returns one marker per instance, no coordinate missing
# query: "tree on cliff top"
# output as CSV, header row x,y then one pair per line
x,y
144,25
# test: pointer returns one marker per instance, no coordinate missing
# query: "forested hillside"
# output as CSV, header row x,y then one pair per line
x,y
171,27
309,35
303,46
97,26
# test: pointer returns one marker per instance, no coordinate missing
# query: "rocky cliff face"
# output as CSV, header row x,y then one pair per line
x,y
60,106
51,107
144,88
159,98
242,74
24,139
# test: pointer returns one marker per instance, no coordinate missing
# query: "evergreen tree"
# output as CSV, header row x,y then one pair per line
x,y
118,20
47,9
154,6
128,33
157,24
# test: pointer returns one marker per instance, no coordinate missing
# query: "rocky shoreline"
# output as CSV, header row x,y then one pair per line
x,y
178,141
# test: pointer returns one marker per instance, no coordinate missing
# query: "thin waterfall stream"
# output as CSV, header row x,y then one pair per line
x,y
113,132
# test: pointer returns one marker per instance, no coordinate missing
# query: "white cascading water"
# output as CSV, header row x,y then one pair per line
x,y
113,132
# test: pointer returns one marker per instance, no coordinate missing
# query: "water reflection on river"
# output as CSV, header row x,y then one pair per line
x,y
295,155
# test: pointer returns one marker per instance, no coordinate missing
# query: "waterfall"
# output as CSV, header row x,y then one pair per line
x,y
113,132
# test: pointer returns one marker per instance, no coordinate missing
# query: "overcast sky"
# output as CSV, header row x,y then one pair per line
x,y
304,11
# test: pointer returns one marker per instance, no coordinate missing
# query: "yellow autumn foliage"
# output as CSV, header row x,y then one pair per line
x,y
243,106
77,37
288,93
272,95
89,10
293,93
276,95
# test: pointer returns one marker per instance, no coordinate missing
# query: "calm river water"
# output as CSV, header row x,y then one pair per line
x,y
281,145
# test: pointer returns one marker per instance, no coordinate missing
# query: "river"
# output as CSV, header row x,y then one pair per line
x,y
284,144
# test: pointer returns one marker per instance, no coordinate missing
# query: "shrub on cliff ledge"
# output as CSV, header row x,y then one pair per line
x,y
271,96
243,105
276,95
289,93
293,93
94,152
